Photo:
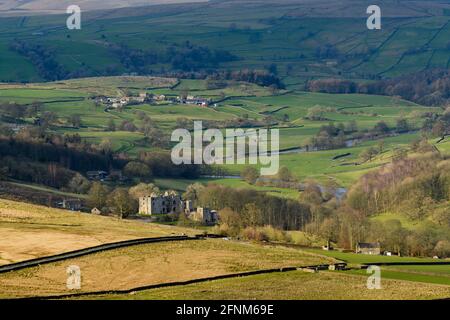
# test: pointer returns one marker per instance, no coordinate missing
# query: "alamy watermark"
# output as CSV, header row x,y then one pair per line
x,y
374,20
74,20
374,281
237,146
73,278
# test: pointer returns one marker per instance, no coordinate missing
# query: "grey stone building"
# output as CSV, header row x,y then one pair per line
x,y
169,202
204,216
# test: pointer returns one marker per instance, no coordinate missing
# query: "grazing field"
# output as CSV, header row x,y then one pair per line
x,y
423,274
157,263
358,259
181,185
322,166
31,231
413,269
291,286
443,270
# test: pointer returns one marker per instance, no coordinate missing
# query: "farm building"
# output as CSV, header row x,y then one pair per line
x,y
192,100
119,102
368,248
159,97
143,96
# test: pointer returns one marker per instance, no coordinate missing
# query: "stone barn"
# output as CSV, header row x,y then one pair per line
x,y
373,248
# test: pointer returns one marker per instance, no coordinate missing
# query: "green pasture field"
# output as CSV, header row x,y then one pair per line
x,y
358,259
444,270
438,274
181,185
431,274
321,166
405,221
29,95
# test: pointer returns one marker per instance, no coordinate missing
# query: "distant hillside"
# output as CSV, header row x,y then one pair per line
x,y
27,7
296,40
299,8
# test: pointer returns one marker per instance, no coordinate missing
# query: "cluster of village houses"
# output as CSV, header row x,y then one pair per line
x,y
120,102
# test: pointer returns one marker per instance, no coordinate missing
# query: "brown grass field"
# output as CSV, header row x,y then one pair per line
x,y
30,231
295,285
149,264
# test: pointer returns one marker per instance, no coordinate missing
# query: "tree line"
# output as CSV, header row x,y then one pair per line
x,y
429,87
185,57
252,208
335,137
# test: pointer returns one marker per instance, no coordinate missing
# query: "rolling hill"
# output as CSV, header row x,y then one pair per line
x,y
304,39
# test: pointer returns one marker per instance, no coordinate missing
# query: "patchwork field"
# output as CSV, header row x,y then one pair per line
x,y
238,101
